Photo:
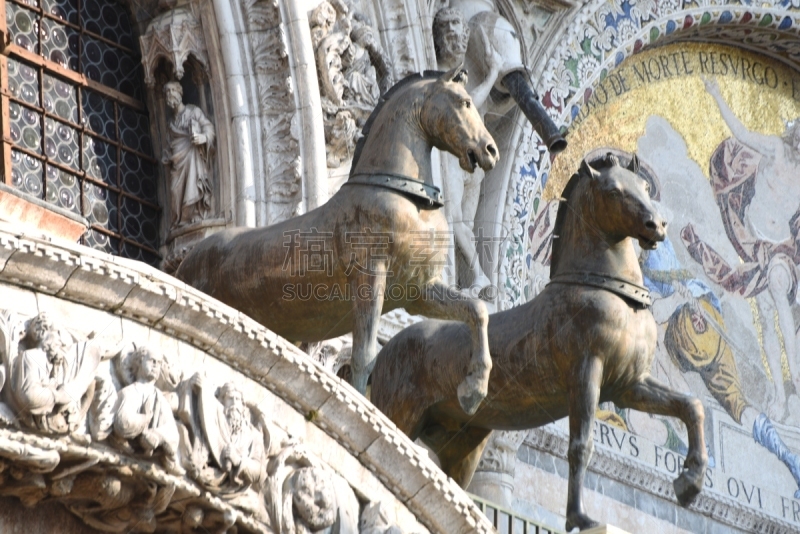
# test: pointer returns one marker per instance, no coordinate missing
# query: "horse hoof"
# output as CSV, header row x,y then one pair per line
x,y
469,398
686,490
581,522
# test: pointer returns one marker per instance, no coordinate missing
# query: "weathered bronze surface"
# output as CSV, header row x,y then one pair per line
x,y
365,239
560,354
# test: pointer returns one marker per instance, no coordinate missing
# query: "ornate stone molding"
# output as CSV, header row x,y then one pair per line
x,y
174,36
159,302
494,478
551,440
275,95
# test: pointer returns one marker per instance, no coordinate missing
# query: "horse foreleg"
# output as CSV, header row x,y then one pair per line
x,y
443,302
653,397
368,291
584,394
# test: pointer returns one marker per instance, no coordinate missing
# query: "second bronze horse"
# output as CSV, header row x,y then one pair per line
x,y
588,337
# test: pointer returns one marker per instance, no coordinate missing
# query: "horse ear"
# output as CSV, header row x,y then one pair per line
x,y
588,170
457,74
633,166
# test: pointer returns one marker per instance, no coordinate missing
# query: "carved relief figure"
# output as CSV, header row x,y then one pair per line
x,y
751,174
191,140
143,415
228,452
53,380
305,497
353,72
461,189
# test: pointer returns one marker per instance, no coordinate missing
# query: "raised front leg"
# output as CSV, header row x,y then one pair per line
x,y
584,393
367,289
653,397
444,302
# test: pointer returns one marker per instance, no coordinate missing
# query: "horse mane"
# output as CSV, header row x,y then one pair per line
x,y
411,78
561,216
603,162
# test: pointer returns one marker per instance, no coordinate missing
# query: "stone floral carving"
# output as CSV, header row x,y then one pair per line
x,y
494,477
224,442
143,420
353,72
191,143
277,107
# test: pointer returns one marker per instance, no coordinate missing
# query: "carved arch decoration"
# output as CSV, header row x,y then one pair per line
x,y
173,36
326,433
596,39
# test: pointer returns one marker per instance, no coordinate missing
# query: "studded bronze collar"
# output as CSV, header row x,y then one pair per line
x,y
429,195
623,288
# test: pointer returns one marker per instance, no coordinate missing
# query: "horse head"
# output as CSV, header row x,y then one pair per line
x,y
622,203
452,122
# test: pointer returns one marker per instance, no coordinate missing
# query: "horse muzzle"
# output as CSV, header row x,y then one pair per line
x,y
655,232
486,157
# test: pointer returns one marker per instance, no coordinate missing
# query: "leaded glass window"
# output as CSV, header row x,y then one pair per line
x,y
78,132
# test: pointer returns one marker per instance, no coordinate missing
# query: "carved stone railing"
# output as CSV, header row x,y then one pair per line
x,y
314,432
506,521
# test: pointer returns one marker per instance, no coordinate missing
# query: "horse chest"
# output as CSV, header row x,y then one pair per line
x,y
630,353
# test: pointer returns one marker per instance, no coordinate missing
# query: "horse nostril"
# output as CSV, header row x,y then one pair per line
x,y
651,225
491,150
664,224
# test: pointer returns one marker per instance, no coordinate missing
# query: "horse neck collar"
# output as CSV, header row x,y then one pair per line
x,y
425,195
634,292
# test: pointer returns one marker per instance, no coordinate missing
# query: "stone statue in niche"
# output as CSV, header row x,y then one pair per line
x,y
188,157
353,72
143,420
462,190
224,450
53,377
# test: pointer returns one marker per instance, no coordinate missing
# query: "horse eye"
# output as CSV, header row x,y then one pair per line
x,y
467,104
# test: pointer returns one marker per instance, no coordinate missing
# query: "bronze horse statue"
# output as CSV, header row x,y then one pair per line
x,y
378,244
588,337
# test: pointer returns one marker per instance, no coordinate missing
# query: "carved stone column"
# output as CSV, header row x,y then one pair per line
x,y
494,478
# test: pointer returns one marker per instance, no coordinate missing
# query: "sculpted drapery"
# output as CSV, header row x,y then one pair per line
x,y
191,139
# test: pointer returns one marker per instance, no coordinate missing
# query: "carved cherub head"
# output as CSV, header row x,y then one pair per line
x,y
314,498
146,364
450,36
39,327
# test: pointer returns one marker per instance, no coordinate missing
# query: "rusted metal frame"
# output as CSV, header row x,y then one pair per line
x,y
81,174
122,239
80,127
75,77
